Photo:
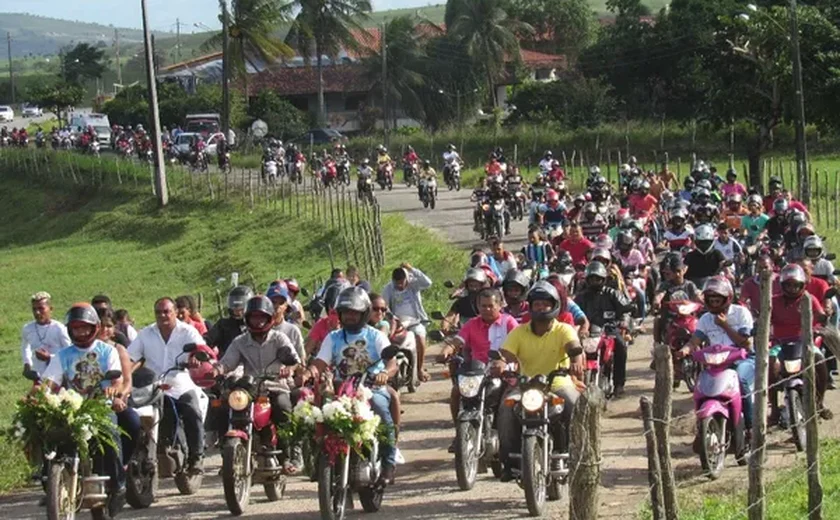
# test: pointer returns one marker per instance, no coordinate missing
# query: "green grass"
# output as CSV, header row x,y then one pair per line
x,y
78,242
787,493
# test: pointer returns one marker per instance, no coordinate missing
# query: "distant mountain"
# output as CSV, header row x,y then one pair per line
x,y
41,36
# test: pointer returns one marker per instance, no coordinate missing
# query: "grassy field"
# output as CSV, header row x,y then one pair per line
x,y
787,494
75,244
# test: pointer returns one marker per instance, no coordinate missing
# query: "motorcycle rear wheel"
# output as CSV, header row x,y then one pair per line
x,y
533,476
236,483
276,489
466,455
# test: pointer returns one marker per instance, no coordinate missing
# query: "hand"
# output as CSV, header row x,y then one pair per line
x,y
43,354
406,265
118,404
284,372
445,355
381,379
576,368
583,333
720,319
111,392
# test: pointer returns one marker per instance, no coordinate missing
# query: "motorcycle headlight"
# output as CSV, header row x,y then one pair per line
x,y
715,358
533,400
238,400
468,386
793,366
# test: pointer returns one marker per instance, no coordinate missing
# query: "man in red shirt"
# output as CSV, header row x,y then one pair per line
x,y
576,244
750,293
642,204
796,205
816,286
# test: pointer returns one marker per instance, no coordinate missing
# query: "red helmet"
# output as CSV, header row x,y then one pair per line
x,y
292,286
622,214
552,196
203,374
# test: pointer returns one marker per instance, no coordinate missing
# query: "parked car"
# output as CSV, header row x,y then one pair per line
x,y
32,111
7,115
320,136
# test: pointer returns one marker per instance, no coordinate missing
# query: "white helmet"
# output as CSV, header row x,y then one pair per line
x,y
594,171
704,238
813,247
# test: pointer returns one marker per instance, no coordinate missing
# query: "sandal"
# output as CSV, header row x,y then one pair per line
x,y
290,469
425,377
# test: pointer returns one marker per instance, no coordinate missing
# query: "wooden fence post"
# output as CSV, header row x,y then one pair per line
x,y
657,505
812,439
757,507
827,198
663,387
585,455
836,200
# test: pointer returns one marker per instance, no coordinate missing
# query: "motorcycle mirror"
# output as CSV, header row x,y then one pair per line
x,y
304,292
831,293
31,375
495,355
436,335
449,285
190,347
143,376
112,374
306,324
831,256
437,315
389,352
575,351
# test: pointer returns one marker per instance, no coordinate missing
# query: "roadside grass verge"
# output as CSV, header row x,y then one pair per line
x,y
75,242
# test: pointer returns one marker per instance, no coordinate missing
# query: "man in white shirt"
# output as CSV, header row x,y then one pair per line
x,y
159,347
547,162
403,297
42,338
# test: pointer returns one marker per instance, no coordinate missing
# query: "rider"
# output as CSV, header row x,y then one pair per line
x,y
539,347
547,162
497,192
537,252
226,329
755,221
553,212
279,296
450,157
44,337
591,223
778,223
731,186
604,305
734,213
704,260
357,347
514,288
465,307
157,347
403,295
674,287
576,244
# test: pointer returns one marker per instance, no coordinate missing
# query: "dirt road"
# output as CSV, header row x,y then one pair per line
x,y
426,487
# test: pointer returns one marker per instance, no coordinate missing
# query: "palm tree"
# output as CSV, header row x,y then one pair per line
x,y
252,31
404,80
324,27
488,33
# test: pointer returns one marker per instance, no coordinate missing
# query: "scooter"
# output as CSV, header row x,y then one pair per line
x,y
406,357
718,408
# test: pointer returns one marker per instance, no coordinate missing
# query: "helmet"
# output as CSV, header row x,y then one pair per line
x,y
600,180
293,286
594,171
601,253
516,277
548,153
754,199
731,174
632,160
410,148
603,241
427,163
735,198
624,168
813,247
689,183
581,198
775,182
679,212
82,313
701,192
354,299
622,215
719,286
645,186
596,269
238,297
475,274
381,148
365,161
589,207
451,147
332,290
704,183
478,258
793,273
624,241
636,184
259,305
797,220
561,187
553,196
704,238
543,290
277,290
780,205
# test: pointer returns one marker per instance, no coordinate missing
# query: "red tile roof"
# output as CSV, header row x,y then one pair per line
x,y
297,81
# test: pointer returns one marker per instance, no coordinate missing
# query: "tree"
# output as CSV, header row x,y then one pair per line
x,y
560,26
324,27
573,101
252,28
83,62
57,97
489,36
404,79
283,119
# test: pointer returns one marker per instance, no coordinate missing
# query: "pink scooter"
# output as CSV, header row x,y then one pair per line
x,y
717,404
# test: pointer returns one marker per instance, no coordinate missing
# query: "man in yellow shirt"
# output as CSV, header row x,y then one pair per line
x,y
540,347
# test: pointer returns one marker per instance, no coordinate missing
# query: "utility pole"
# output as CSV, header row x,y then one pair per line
x,y
154,117
384,85
799,106
225,68
178,39
119,64
11,69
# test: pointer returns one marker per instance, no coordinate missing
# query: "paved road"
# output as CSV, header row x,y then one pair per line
x,y
20,121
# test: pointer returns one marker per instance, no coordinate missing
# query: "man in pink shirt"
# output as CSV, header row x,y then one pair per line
x,y
576,244
480,335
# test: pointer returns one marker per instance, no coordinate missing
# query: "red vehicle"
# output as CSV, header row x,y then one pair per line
x,y
680,329
599,348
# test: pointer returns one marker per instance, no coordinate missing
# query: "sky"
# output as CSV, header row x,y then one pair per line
x,y
162,13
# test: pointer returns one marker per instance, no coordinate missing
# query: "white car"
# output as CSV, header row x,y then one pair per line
x,y
185,141
32,111
7,115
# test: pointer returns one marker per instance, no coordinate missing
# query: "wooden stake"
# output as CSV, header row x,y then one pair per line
x,y
758,509
585,455
657,504
662,390
812,439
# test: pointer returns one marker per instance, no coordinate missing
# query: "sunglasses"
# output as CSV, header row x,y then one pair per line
x,y
379,309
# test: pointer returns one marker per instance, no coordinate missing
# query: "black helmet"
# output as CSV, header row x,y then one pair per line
x,y
84,313
354,299
624,241
427,163
332,290
516,277
261,305
731,173
238,297
543,290
596,269
689,183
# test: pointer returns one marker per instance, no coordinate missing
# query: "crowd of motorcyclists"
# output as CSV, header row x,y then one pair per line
x,y
526,330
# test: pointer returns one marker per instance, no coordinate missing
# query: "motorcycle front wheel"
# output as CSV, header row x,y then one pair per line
x,y
60,505
797,419
235,480
712,445
466,455
533,475
141,480
332,496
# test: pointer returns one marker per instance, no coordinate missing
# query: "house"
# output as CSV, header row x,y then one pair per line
x,y
348,90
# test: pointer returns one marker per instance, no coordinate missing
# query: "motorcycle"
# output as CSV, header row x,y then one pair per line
x,y
365,189
680,329
717,406
494,219
93,148
385,176
161,447
296,169
124,149
39,141
409,174
476,439
343,172
543,467
224,162
428,192
244,464
599,348
198,161
516,202
453,179
74,483
406,357
793,414
352,471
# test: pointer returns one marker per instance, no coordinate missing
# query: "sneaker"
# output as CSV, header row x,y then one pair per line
x,y
618,391
195,466
507,475
398,457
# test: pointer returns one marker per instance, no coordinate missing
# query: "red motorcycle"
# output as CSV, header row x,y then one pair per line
x,y
249,451
599,348
201,370
680,329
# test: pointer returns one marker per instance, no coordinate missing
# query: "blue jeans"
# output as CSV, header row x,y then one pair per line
x,y
380,403
746,375
642,304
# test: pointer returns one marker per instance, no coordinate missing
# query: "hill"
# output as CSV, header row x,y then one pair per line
x,y
40,35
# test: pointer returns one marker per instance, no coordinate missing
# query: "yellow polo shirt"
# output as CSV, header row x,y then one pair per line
x,y
540,354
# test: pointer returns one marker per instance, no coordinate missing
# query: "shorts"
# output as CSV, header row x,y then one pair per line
x,y
418,329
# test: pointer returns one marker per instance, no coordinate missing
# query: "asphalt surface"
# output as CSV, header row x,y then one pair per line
x,y
426,486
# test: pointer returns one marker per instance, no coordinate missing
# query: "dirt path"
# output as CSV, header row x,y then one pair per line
x,y
426,487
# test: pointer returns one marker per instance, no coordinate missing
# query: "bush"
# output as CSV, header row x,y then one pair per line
x,y
283,119
574,102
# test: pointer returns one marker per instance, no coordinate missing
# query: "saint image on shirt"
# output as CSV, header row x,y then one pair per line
x,y
355,358
88,373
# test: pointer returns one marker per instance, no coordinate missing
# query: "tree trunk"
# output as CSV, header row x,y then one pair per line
x,y
244,76
322,109
492,88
